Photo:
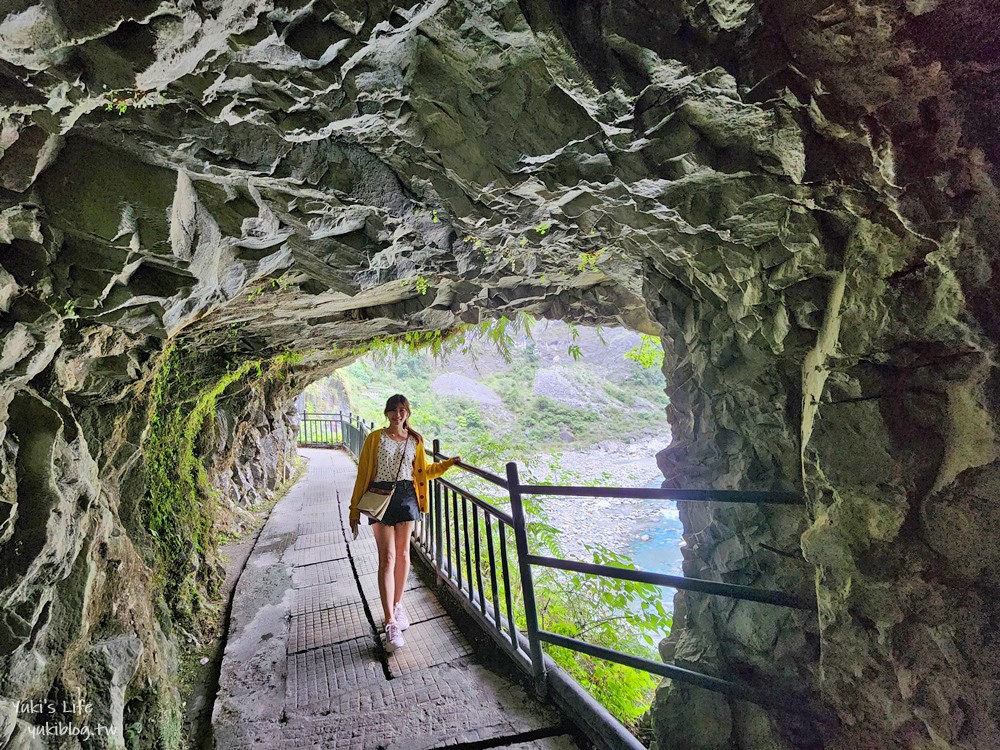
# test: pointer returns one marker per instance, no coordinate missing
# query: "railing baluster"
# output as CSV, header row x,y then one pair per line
x,y
423,529
436,446
507,594
447,533
479,562
493,570
458,543
465,534
527,586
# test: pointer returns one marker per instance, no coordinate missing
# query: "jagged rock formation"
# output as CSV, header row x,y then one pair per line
x,y
799,196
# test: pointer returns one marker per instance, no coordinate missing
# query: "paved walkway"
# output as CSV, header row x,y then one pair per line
x,y
304,666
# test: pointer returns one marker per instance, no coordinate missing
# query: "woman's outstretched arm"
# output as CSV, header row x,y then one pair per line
x,y
437,469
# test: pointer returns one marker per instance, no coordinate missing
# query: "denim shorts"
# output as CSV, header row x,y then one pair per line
x,y
403,504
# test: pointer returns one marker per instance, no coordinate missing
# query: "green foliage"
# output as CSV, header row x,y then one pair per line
x,y
121,100
543,227
463,338
615,614
500,333
589,261
476,242
421,283
610,613
273,285
178,511
649,353
574,349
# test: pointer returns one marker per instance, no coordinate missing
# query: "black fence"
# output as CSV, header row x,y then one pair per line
x,y
467,541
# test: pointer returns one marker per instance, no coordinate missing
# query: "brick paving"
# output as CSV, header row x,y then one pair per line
x,y
305,665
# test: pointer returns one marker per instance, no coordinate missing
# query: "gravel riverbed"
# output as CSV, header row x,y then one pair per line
x,y
614,522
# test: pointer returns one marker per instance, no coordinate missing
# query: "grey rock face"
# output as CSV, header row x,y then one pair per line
x,y
113,663
802,201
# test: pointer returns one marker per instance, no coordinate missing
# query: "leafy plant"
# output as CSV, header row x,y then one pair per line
x,y
649,352
588,261
574,349
543,227
121,100
607,612
179,509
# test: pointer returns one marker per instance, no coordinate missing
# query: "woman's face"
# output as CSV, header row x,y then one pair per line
x,y
398,415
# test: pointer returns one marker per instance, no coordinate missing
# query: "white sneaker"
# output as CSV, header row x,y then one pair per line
x,y
399,615
393,637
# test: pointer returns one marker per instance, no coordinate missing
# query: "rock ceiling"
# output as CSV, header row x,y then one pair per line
x,y
799,196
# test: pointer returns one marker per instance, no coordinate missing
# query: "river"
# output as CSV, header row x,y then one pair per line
x,y
657,548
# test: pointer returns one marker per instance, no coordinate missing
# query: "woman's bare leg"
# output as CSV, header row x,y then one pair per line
x,y
385,541
402,567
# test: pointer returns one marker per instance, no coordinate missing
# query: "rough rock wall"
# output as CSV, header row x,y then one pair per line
x,y
800,196
884,384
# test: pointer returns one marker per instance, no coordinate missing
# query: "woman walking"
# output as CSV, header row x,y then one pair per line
x,y
394,458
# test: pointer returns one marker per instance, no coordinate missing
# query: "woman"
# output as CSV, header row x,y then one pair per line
x,y
395,455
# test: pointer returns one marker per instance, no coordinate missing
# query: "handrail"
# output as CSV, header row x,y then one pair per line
x,y
505,517
775,497
665,493
730,590
482,473
443,540
786,700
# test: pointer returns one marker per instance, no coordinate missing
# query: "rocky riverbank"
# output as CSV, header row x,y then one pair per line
x,y
614,522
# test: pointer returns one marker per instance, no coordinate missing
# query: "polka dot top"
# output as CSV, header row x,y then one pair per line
x,y
389,453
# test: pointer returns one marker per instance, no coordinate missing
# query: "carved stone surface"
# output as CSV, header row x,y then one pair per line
x,y
800,198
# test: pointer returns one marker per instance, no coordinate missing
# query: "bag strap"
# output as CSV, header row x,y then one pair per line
x,y
402,457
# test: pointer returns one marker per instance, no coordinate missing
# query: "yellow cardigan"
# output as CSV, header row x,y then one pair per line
x,y
422,472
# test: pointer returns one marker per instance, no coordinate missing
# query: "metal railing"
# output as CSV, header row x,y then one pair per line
x,y
332,430
479,569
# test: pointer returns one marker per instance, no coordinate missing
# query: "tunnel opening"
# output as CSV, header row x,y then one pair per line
x,y
571,404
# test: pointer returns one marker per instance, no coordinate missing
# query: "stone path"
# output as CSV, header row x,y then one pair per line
x,y
304,666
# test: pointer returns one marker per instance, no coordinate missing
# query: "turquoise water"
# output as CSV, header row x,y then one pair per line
x,y
662,552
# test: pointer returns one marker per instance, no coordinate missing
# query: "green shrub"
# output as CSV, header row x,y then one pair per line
x,y
179,509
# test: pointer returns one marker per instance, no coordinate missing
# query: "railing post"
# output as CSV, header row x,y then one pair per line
x,y
527,585
438,547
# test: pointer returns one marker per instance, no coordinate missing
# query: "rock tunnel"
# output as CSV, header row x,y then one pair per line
x,y
204,206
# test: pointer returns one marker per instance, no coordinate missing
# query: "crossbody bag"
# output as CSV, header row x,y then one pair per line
x,y
375,501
